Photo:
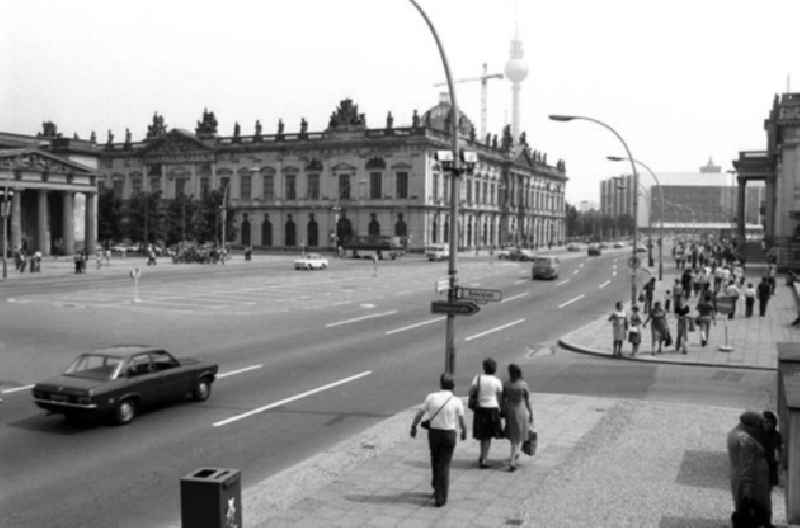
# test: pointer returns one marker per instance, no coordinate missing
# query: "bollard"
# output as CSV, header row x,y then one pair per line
x,y
211,498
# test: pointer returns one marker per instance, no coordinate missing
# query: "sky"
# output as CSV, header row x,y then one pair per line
x,y
680,80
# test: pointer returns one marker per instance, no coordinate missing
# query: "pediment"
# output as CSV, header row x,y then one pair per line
x,y
175,143
36,160
343,167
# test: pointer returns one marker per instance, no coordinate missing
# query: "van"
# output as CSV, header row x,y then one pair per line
x,y
437,252
545,267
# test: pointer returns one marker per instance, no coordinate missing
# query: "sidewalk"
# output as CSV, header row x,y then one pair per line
x,y
753,339
601,462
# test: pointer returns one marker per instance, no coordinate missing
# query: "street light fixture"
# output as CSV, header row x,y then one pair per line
x,y
634,258
661,216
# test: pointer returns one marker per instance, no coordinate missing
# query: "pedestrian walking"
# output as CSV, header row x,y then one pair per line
x,y
649,288
764,291
486,391
442,411
750,487
619,328
667,300
682,327
732,292
635,330
687,282
771,272
659,332
518,412
705,316
749,299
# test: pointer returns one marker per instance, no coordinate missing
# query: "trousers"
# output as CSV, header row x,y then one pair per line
x,y
441,443
762,306
748,306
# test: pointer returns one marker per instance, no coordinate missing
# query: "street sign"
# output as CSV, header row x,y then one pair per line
x,y
456,308
634,262
442,285
481,295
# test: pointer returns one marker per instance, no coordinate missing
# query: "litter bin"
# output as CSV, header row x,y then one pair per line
x,y
211,498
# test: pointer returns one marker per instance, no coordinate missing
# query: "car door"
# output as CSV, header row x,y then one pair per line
x,y
174,380
142,380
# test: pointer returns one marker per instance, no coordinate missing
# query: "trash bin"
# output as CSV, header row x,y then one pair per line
x,y
211,498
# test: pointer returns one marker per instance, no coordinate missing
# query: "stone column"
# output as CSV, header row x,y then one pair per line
x,y
91,222
68,222
16,220
741,211
43,224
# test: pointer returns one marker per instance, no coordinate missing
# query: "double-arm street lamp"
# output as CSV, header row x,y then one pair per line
x,y
634,258
649,215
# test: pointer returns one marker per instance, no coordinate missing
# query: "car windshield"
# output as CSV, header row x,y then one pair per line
x,y
95,366
314,256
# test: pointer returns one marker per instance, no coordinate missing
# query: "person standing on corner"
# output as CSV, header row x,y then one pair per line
x,y
658,330
619,328
442,409
682,331
517,410
705,315
764,291
486,416
635,330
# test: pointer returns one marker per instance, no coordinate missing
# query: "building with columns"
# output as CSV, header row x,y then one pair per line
x,y
308,188
46,188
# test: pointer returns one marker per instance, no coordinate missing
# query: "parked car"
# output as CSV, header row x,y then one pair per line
x,y
602,245
593,250
521,254
122,380
641,249
310,262
504,252
545,267
619,245
437,252
573,247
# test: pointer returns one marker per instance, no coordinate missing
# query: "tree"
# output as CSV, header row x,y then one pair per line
x,y
573,220
146,217
110,213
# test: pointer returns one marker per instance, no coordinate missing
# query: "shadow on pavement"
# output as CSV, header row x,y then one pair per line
x,y
704,469
417,498
688,522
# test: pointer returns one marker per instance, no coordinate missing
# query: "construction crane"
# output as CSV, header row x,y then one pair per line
x,y
483,79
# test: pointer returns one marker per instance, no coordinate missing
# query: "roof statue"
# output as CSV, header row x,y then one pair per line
x,y
49,130
109,138
237,132
389,121
128,138
488,139
472,134
207,128
494,142
257,135
303,128
75,135
280,136
508,140
523,139
93,137
346,116
158,128
415,119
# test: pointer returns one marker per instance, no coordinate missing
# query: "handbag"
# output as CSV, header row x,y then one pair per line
x,y
530,443
426,424
474,393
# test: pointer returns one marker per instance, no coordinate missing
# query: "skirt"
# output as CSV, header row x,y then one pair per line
x,y
486,423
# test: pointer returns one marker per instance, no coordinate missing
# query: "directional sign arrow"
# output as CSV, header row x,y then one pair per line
x,y
480,294
456,308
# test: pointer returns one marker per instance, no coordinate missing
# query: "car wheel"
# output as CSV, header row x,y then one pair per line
x,y
125,411
202,390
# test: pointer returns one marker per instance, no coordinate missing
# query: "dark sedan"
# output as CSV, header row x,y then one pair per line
x,y
122,380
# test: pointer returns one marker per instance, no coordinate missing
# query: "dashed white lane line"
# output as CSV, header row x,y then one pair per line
x,y
520,281
291,399
238,371
16,389
363,317
578,298
604,284
495,329
575,272
514,297
415,325
613,273
563,282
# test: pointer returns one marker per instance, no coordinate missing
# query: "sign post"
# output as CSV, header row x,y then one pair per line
x,y
134,274
725,306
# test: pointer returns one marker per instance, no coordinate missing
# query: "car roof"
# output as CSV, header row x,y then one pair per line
x,y
127,350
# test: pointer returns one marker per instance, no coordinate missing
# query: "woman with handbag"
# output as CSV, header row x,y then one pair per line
x,y
659,333
485,395
518,412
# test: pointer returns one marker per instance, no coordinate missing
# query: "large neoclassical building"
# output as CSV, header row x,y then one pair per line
x,y
305,188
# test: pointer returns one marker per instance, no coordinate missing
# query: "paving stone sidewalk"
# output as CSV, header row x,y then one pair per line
x,y
753,339
601,463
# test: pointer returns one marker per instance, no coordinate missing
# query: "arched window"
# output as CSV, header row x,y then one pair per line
x,y
266,232
245,228
312,232
374,228
343,229
469,231
289,235
446,237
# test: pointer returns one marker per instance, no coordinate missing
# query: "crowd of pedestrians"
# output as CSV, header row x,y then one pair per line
x,y
501,409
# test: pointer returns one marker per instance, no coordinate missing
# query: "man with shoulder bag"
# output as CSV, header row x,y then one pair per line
x,y
442,410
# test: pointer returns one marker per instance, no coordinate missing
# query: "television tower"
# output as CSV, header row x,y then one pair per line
x,y
516,71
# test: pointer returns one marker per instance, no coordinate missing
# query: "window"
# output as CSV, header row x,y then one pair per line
x,y
446,189
477,192
246,182
269,187
204,186
118,185
375,181
291,190
436,186
155,183
484,193
313,188
493,202
344,186
136,184
402,185
469,192
107,163
180,187
224,182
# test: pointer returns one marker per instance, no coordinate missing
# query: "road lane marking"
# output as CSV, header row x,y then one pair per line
x,y
514,297
238,371
495,329
575,272
415,325
563,282
291,399
520,281
604,284
357,319
578,298
16,389
613,273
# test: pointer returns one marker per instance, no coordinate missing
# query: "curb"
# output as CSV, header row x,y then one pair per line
x,y
563,343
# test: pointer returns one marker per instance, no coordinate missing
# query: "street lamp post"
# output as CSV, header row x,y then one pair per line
x,y
449,363
661,216
5,208
561,117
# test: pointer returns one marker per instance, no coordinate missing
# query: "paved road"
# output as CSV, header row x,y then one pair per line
x,y
362,346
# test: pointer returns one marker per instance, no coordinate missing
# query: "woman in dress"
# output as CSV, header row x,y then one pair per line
x,y
658,330
486,416
635,330
619,327
518,412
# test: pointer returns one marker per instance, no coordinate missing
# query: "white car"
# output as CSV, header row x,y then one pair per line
x,y
437,252
310,262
